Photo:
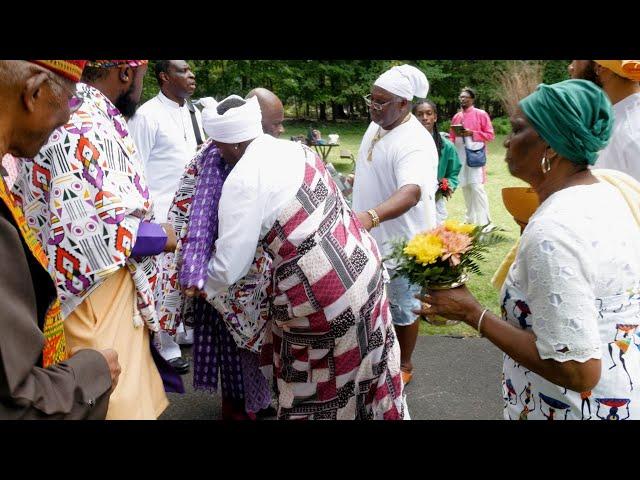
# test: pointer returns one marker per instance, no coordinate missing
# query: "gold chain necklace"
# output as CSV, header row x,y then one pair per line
x,y
378,136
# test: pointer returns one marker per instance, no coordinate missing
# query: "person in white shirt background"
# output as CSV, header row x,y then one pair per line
x,y
167,139
395,186
619,80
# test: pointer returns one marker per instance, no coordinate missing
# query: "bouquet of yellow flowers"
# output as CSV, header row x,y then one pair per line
x,y
444,256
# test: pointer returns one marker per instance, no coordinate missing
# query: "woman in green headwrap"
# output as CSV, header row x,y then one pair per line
x,y
571,300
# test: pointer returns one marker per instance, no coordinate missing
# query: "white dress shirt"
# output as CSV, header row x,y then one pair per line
x,y
163,133
263,182
623,151
406,155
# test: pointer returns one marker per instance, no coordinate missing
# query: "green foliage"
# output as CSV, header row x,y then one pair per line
x,y
556,71
332,89
501,125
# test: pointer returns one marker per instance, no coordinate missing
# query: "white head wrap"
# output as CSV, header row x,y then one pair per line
x,y
405,81
236,125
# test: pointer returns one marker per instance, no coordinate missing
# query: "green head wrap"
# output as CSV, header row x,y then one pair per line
x,y
574,117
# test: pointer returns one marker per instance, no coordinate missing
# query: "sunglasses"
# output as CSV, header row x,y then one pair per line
x,y
376,105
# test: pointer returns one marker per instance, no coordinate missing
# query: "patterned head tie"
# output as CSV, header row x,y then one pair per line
x,y
115,63
71,69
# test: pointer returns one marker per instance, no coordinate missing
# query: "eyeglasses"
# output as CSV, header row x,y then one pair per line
x,y
75,100
376,105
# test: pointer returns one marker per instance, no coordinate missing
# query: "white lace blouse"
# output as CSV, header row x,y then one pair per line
x,y
575,283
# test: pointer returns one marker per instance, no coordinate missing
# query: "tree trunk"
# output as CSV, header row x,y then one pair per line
x,y
338,110
323,106
224,77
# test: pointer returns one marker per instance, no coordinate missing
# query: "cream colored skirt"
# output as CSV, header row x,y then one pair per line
x,y
105,320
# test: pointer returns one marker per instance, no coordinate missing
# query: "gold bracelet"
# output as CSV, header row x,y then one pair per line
x,y
375,219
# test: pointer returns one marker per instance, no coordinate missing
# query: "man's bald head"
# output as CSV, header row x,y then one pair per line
x,y
272,111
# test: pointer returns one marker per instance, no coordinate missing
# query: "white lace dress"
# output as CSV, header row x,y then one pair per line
x,y
575,284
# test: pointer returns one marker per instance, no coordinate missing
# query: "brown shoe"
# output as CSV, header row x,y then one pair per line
x,y
406,377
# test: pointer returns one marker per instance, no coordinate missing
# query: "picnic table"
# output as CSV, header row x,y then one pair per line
x,y
324,149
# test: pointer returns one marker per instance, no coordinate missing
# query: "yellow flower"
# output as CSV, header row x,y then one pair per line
x,y
425,247
457,227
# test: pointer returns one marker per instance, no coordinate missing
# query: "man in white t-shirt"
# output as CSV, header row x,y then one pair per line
x,y
395,185
619,80
167,131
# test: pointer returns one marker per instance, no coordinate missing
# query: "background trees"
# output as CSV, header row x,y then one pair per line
x,y
326,90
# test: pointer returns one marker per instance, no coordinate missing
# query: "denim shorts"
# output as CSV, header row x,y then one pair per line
x,y
402,301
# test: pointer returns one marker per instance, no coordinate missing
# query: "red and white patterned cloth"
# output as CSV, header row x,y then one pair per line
x,y
331,343
11,167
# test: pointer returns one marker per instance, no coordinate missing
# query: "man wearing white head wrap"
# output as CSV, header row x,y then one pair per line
x,y
404,81
395,185
335,354
238,124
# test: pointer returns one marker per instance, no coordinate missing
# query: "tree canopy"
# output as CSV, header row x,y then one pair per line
x,y
333,89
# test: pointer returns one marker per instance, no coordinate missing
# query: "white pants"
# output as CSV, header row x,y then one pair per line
x,y
184,335
477,202
166,345
441,210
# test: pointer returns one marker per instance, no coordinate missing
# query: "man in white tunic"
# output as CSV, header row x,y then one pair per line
x,y
167,131
619,80
395,185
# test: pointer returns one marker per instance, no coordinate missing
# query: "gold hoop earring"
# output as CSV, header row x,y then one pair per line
x,y
545,165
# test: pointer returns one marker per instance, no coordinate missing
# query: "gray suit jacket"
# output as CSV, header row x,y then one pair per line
x,y
76,389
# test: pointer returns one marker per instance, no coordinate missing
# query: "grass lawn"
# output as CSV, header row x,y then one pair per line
x,y
498,177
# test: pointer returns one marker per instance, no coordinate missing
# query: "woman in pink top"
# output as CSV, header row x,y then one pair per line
x,y
477,131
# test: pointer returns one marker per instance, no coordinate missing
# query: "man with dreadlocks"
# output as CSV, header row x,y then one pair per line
x,y
448,161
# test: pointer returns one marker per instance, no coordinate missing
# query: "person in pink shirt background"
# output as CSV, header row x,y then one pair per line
x,y
477,132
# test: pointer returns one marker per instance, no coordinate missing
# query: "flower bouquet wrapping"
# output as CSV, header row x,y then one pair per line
x,y
443,257
444,190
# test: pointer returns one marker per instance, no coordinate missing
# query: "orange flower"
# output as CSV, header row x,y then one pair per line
x,y
454,244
